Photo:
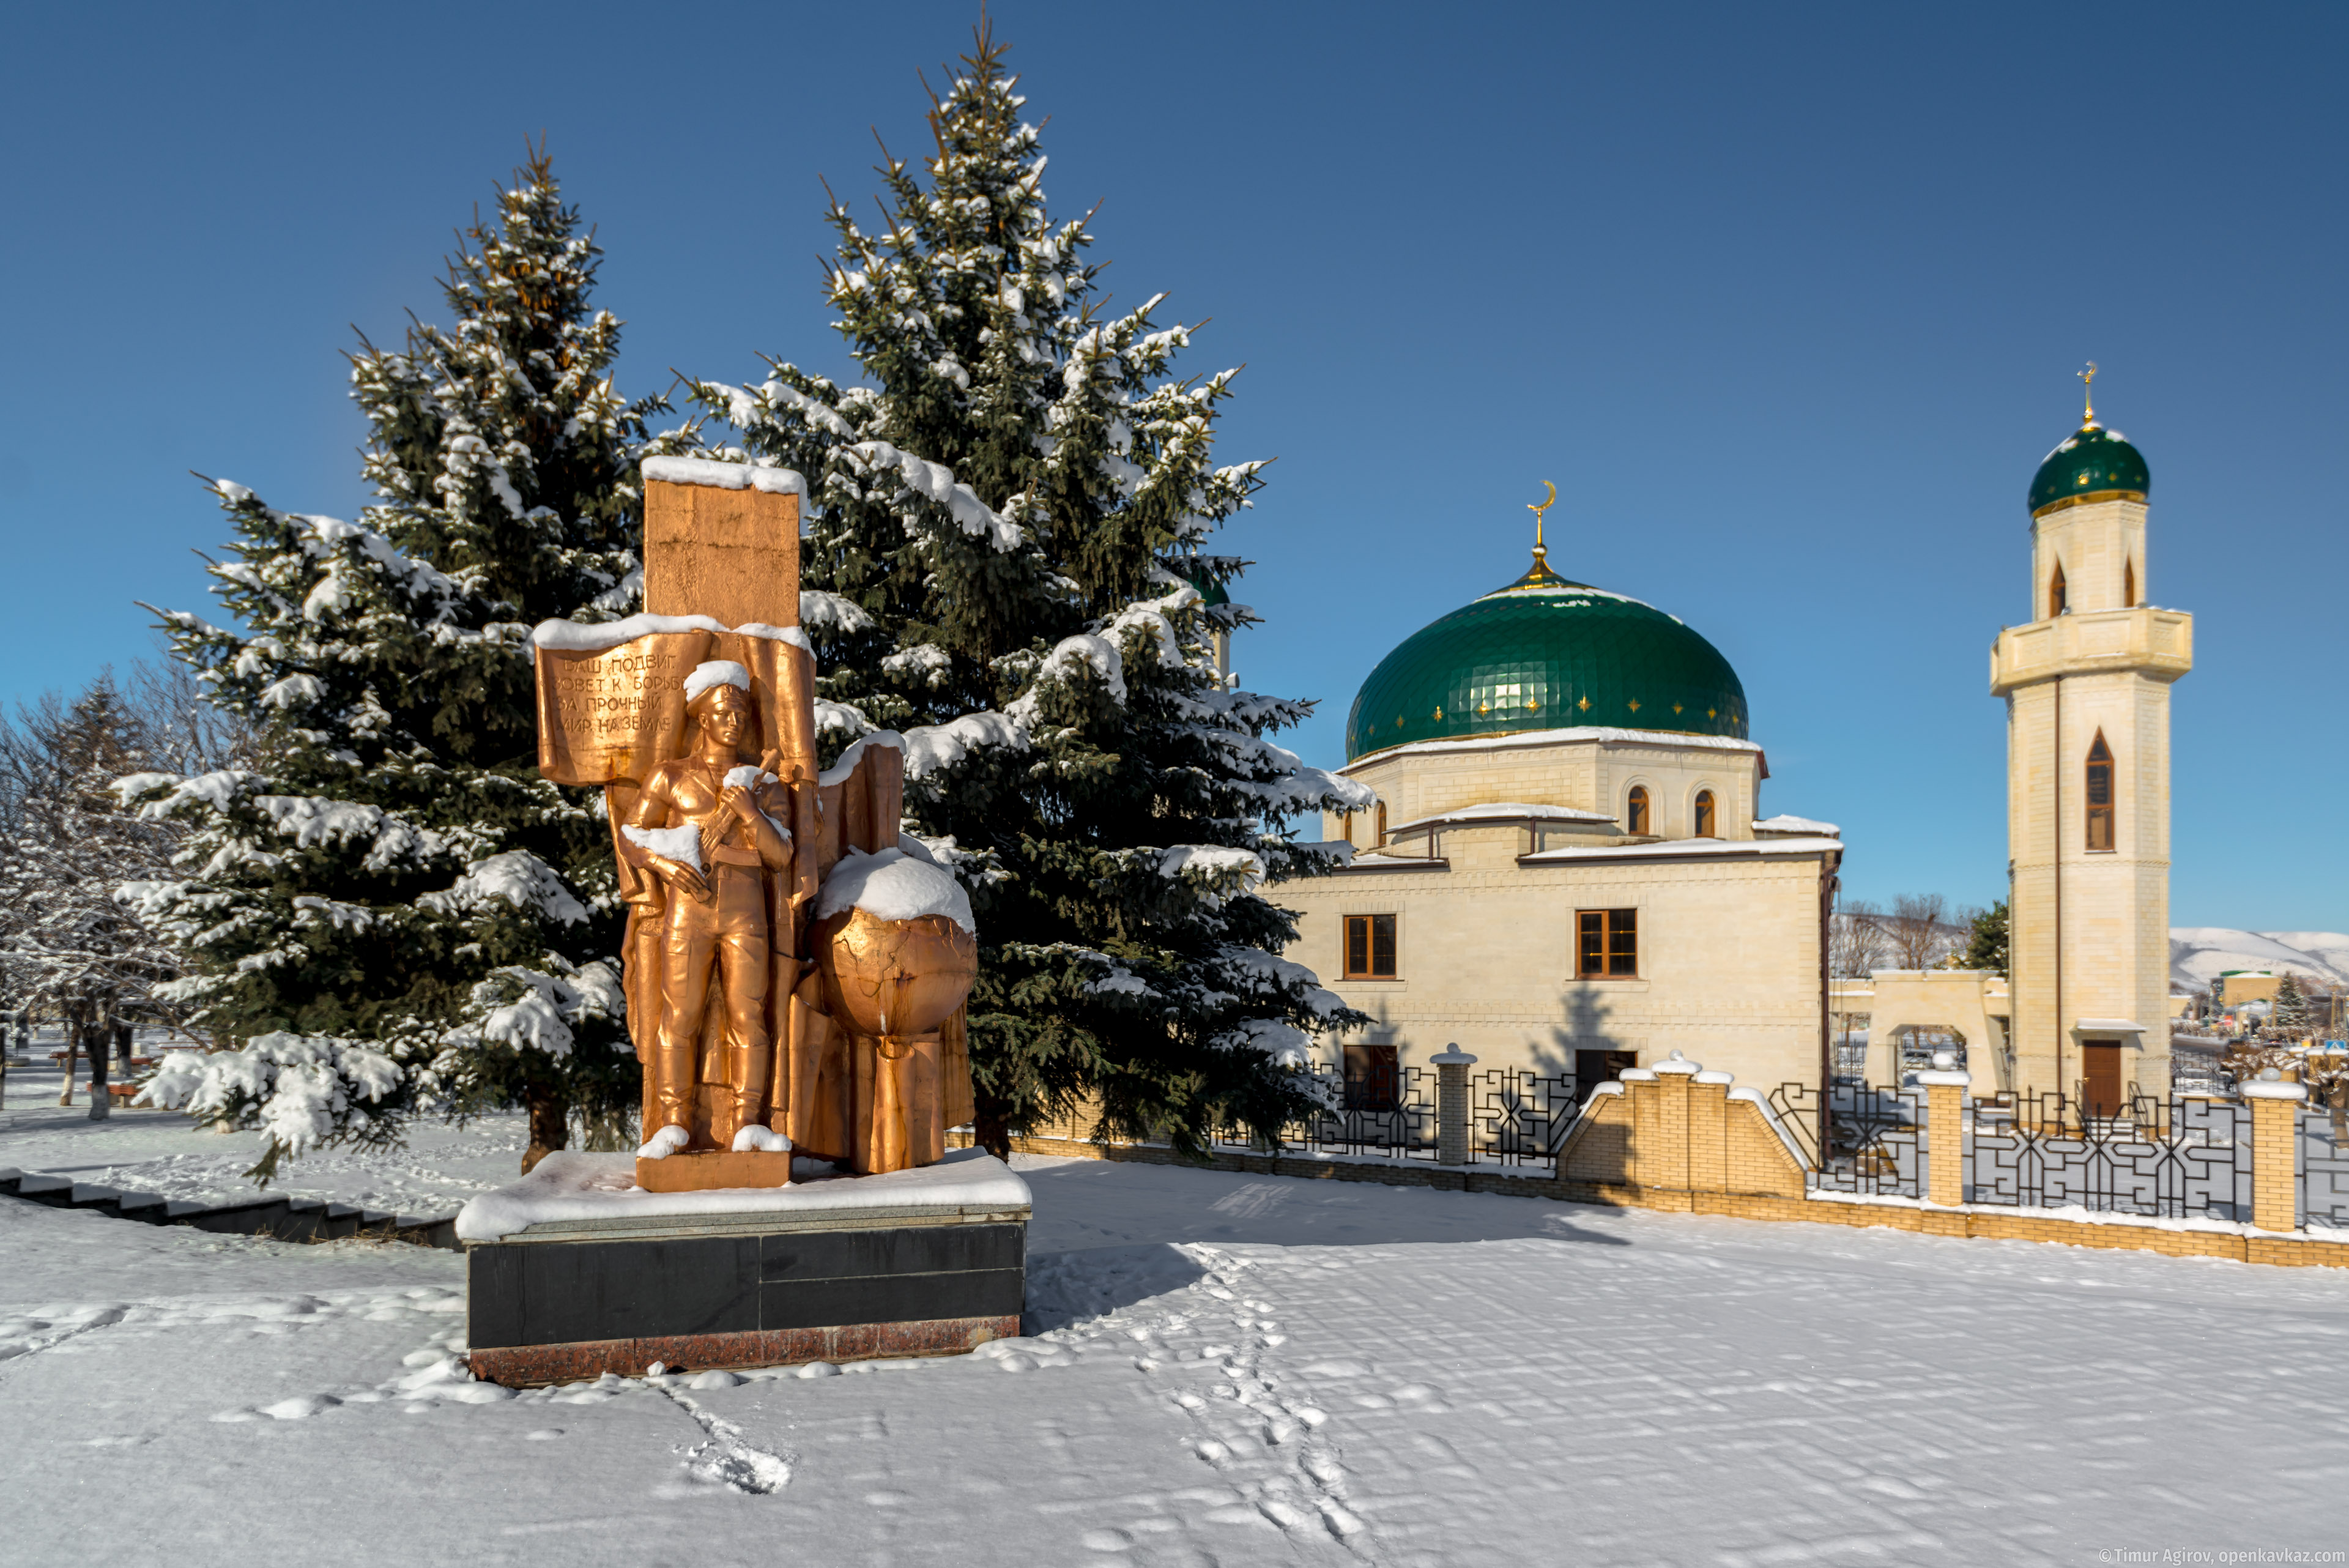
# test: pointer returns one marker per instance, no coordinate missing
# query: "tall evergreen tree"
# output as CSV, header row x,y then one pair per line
x,y
391,906
1986,941
1006,518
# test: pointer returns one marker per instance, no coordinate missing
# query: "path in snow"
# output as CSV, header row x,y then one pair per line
x,y
1222,1369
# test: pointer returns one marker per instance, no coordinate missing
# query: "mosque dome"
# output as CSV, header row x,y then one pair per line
x,y
2093,464
1545,653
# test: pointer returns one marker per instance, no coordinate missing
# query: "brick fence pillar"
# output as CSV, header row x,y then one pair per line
x,y
2275,1132
1452,1064
1708,1159
1945,1134
1670,1151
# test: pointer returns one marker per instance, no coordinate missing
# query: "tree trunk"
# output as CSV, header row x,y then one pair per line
x,y
73,1047
550,1125
101,1047
990,1124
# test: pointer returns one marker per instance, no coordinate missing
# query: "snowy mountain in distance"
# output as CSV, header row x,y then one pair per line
x,y
2199,954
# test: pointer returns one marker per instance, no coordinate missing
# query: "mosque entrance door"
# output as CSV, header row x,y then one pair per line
x,y
2100,1067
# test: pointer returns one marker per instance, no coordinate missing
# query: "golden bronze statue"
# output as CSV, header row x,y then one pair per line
x,y
795,972
706,826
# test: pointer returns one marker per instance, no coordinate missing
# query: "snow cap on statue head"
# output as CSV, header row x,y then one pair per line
x,y
707,677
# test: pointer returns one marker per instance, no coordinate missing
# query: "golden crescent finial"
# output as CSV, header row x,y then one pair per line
x,y
2088,379
1538,508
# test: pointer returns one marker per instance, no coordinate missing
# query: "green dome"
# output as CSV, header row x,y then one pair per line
x,y
1547,654
2094,463
1211,592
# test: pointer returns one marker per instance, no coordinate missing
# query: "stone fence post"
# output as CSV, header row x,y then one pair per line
x,y
1945,1130
1452,1064
2275,1133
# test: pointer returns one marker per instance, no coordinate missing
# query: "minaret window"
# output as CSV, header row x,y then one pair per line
x,y
2129,584
1705,814
2100,795
2057,601
1635,819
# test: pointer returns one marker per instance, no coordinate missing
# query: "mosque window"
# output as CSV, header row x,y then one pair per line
x,y
1705,814
1635,819
2058,602
2129,584
2100,795
1370,947
1607,944
1379,823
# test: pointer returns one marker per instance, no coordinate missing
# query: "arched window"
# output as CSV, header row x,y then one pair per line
x,y
1635,819
1705,814
1346,826
2129,584
2057,602
2100,795
1379,823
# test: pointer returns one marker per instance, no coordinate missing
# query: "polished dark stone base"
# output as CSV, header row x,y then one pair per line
x,y
541,1311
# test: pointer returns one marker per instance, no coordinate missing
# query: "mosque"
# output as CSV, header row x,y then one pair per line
x,y
1569,869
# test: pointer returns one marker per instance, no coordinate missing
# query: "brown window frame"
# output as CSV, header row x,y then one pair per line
x,y
2102,826
1706,813
2059,599
1637,813
1616,947
2129,584
1368,925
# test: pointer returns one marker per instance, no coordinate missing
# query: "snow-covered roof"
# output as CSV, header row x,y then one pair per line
x,y
1508,811
1677,849
1571,735
2106,1025
1785,823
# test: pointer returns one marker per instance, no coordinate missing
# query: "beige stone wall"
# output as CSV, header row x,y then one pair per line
x,y
1587,775
1728,957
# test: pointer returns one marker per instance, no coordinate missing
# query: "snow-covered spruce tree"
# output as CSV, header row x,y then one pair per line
x,y
1004,516
392,884
75,952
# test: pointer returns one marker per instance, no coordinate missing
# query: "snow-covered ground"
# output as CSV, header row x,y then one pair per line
x,y
163,1153
1223,1369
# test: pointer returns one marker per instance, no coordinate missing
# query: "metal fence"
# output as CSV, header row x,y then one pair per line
x,y
1517,1117
2323,1161
2185,1155
1392,1114
1874,1139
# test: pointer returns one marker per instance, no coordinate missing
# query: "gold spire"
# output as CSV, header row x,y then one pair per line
x,y
1540,576
2089,398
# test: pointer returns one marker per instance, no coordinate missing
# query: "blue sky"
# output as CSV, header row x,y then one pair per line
x,y
1787,301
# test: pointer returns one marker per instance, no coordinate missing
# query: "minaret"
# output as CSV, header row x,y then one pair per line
x,y
2086,681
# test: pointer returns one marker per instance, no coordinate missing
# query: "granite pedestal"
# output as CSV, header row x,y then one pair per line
x,y
574,1272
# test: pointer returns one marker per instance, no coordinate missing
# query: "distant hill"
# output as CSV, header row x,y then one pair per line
x,y
2198,954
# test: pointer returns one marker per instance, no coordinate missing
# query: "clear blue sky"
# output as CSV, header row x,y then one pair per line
x,y
1786,300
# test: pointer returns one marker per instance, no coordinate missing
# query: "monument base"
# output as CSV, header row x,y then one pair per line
x,y
575,1270
714,1169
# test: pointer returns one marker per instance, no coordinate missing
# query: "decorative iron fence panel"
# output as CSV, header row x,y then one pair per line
x,y
1392,1114
1517,1117
2324,1167
2179,1158
1875,1138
